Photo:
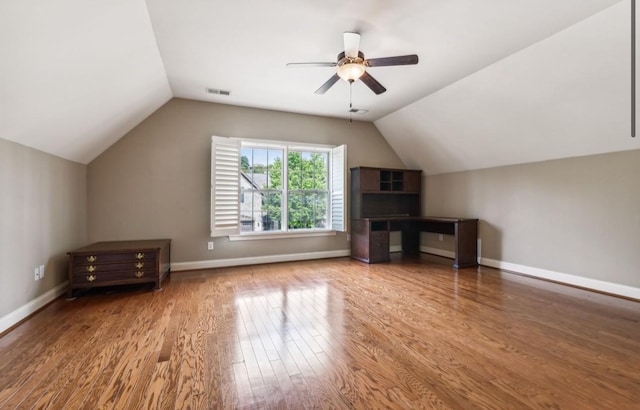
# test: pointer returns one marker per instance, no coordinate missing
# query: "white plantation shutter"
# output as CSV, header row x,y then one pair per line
x,y
338,187
225,186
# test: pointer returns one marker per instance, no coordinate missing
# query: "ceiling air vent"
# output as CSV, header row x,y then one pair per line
x,y
216,91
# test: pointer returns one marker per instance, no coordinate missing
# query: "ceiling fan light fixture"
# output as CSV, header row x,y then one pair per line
x,y
350,71
351,65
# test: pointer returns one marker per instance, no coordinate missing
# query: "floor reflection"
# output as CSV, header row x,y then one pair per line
x,y
285,335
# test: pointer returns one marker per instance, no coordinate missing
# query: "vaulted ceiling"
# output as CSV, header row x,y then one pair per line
x,y
499,81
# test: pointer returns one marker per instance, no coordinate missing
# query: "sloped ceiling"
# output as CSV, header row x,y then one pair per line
x,y
565,96
76,76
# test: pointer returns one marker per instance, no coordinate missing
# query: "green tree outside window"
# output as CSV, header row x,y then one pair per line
x,y
307,190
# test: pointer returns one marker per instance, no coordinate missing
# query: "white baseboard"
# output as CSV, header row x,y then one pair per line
x,y
565,278
223,263
587,283
439,252
24,311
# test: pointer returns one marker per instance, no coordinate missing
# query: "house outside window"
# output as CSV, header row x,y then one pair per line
x,y
266,187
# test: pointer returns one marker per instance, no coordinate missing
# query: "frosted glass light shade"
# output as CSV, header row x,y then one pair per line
x,y
350,71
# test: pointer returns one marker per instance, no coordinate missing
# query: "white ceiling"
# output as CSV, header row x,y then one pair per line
x,y
75,76
567,95
243,46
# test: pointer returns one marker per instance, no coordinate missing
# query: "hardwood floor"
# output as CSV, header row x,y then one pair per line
x,y
413,333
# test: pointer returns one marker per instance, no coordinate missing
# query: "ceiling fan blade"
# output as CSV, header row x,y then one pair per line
x,y
330,82
312,64
351,44
397,60
372,83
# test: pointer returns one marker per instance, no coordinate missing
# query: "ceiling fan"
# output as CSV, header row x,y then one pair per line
x,y
352,65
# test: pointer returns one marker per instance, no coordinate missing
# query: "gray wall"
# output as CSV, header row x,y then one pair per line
x,y
579,216
155,181
43,209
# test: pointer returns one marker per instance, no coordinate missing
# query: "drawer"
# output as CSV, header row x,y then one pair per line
x,y
132,275
99,258
378,246
111,267
379,239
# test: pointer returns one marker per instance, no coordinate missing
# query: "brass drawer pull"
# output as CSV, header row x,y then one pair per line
x,y
139,274
139,255
92,258
91,278
91,268
139,265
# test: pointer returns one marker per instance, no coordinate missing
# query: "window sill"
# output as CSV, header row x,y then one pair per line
x,y
281,235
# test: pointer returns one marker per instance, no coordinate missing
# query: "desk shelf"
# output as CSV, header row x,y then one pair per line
x,y
382,191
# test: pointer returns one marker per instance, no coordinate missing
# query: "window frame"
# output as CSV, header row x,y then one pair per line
x,y
225,155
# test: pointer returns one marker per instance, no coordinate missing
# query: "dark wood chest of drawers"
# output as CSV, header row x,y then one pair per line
x,y
119,263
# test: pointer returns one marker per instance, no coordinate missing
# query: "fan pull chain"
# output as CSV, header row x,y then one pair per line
x,y
350,101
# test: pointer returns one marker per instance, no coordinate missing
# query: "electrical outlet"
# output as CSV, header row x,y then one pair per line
x,y
348,237
440,237
210,245
41,271
36,274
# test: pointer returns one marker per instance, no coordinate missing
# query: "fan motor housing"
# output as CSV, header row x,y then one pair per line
x,y
343,59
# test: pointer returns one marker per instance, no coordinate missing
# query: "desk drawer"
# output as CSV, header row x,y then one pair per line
x,y
379,246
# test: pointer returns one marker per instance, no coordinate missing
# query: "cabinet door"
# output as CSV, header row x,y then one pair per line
x,y
412,182
369,179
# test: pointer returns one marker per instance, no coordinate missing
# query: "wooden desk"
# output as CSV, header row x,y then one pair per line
x,y
370,237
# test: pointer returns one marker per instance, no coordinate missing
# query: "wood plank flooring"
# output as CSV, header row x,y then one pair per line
x,y
337,333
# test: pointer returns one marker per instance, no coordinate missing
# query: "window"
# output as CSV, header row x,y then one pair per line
x,y
268,187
